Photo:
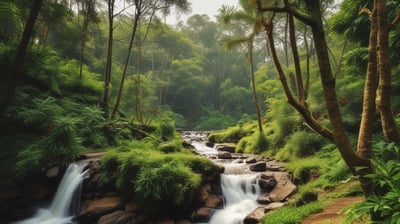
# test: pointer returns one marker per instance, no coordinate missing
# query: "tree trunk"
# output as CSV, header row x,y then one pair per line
x,y
253,83
296,60
384,97
364,146
107,75
138,13
19,63
328,83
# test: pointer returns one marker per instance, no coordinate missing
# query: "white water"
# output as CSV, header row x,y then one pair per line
x,y
60,210
240,191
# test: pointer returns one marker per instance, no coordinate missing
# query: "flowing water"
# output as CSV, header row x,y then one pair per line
x,y
61,210
240,190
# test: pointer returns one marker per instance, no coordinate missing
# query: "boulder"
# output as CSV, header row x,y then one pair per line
x,y
267,182
103,204
204,192
131,207
210,144
255,216
112,218
53,172
273,206
283,189
214,201
259,167
264,199
120,217
251,160
224,155
201,215
226,147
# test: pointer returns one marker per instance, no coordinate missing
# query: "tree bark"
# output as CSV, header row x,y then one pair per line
x,y
107,75
138,13
253,83
384,96
364,145
19,63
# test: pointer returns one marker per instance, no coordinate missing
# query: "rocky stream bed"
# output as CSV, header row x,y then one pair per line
x,y
264,179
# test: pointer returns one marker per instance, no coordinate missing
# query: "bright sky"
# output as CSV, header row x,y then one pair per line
x,y
208,7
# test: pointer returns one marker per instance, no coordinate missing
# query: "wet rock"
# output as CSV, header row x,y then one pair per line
x,y
214,201
267,182
53,172
273,206
227,147
224,155
205,192
120,217
132,207
210,144
258,167
201,215
251,160
103,204
255,216
264,199
112,218
284,187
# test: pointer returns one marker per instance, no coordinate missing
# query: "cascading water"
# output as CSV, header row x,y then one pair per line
x,y
240,193
60,209
240,190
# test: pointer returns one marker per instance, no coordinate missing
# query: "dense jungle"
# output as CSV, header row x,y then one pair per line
x,y
311,84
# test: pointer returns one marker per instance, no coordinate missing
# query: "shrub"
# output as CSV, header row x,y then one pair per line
x,y
170,147
301,144
337,171
384,202
232,134
61,145
172,183
306,169
255,143
140,171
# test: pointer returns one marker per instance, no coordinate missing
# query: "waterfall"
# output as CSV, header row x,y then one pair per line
x,y
240,193
60,210
240,189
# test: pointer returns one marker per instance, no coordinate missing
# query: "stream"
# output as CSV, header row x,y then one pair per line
x,y
239,186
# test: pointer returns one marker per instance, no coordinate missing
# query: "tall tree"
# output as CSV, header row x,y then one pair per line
x,y
88,9
250,16
144,10
20,56
313,18
107,73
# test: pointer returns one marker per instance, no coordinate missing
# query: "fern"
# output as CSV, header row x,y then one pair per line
x,y
385,202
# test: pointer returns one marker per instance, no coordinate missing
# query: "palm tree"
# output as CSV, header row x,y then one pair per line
x,y
249,16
